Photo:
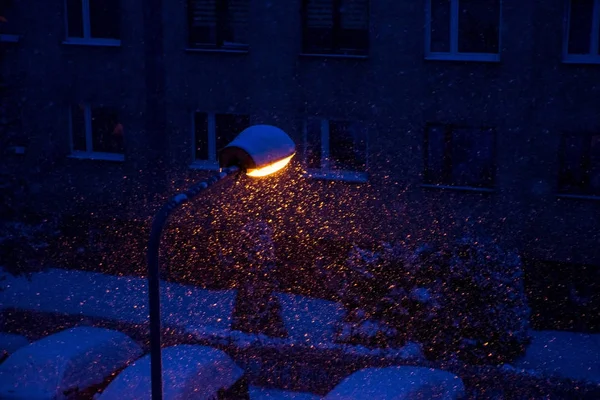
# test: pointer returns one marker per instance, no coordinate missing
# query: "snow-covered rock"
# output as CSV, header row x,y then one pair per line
x,y
10,342
68,361
398,383
189,373
259,393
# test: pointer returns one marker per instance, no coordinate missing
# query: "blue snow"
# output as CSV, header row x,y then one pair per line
x,y
189,373
9,343
259,393
73,359
398,383
564,354
116,298
207,313
309,320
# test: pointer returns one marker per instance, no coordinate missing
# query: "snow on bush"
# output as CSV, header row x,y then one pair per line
x,y
466,300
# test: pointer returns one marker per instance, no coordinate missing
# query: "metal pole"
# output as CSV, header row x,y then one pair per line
x,y
158,224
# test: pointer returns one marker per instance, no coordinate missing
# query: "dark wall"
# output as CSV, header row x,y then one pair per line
x,y
530,97
55,75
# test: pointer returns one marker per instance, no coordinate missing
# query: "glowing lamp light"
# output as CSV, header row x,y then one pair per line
x,y
270,169
259,150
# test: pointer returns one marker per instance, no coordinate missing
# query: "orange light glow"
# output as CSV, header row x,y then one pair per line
x,y
269,169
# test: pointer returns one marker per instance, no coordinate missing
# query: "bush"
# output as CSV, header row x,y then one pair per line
x,y
23,245
465,300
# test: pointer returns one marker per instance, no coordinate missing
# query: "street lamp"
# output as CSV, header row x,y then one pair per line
x,y
257,151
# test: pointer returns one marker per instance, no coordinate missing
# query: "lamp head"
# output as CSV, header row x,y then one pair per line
x,y
260,150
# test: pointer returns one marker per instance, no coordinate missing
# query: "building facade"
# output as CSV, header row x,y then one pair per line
x,y
412,117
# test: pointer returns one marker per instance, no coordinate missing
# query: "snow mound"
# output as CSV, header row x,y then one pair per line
x,y
259,393
189,373
564,354
398,383
10,342
71,360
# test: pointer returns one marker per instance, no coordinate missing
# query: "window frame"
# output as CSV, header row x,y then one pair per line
x,y
585,160
336,30
454,54
212,163
220,27
89,152
593,57
324,171
87,39
446,182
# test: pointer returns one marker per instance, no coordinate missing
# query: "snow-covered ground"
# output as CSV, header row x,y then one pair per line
x,y
565,354
259,393
207,314
115,298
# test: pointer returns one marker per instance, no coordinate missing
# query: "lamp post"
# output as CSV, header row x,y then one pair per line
x,y
257,151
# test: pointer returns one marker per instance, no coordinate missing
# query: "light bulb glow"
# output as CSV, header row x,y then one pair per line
x,y
269,169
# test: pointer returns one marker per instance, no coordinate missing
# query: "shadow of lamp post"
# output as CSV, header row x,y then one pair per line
x,y
258,151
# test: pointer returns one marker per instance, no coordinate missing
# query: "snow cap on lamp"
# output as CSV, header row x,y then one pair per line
x,y
257,147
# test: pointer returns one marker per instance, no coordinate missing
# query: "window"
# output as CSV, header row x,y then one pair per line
x,y
212,132
218,24
459,156
580,165
336,149
336,26
96,133
582,33
93,21
467,30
